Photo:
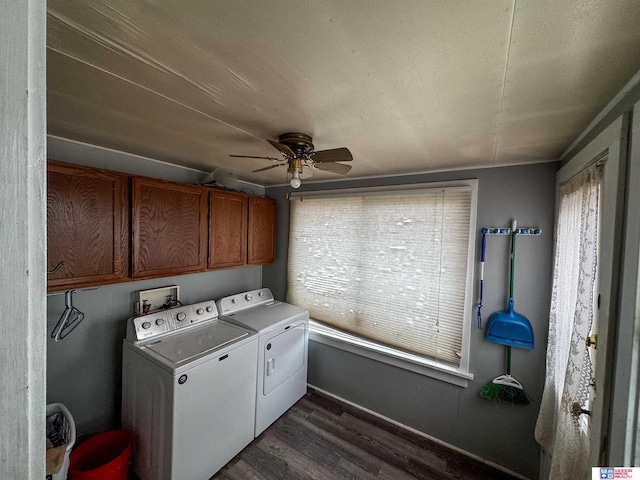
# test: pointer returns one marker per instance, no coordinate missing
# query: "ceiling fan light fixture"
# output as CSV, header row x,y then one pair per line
x,y
295,181
300,157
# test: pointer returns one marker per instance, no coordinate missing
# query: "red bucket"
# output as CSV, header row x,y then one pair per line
x,y
102,457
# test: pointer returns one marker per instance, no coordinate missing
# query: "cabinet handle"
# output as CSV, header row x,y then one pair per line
x,y
55,269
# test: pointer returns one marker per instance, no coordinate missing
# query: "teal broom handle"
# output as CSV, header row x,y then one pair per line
x,y
511,276
513,258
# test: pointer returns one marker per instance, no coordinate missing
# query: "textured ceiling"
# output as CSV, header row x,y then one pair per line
x,y
407,86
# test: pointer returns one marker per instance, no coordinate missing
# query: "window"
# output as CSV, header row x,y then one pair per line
x,y
388,270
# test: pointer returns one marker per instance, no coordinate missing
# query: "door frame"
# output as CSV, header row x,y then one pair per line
x,y
23,351
625,409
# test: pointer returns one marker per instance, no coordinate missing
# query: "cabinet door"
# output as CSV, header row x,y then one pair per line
x,y
87,226
227,229
262,230
169,228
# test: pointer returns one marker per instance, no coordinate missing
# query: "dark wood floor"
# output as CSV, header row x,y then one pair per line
x,y
322,438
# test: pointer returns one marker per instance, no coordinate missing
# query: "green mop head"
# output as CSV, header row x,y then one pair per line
x,y
505,388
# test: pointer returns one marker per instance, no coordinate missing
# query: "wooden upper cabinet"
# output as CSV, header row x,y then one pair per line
x,y
227,229
87,226
107,227
169,228
262,230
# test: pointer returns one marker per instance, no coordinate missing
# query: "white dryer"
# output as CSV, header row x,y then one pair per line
x,y
283,331
188,391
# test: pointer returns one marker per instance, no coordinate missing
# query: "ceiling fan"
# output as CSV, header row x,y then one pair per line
x,y
299,156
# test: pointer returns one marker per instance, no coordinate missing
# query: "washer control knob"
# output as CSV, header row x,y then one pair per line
x,y
181,316
209,309
248,297
146,325
200,311
261,294
234,300
160,321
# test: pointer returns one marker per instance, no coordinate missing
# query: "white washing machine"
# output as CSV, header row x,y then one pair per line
x,y
188,391
283,331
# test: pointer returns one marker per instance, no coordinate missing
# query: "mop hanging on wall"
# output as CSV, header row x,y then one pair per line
x,y
484,248
508,327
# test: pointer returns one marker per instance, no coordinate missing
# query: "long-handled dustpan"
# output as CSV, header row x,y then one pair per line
x,y
508,327
513,330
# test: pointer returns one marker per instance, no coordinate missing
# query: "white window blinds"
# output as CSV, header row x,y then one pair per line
x,y
390,267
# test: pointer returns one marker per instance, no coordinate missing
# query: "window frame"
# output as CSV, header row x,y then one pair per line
x,y
429,367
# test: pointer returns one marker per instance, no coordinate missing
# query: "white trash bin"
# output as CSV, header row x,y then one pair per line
x,y
65,435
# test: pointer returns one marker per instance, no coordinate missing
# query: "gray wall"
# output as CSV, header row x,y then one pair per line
x,y
84,369
501,433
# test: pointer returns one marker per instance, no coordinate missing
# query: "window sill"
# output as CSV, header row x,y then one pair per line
x,y
366,348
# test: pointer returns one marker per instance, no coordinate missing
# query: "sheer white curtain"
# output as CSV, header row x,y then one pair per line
x,y
568,364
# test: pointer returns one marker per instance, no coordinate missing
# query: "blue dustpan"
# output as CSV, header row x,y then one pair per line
x,y
510,328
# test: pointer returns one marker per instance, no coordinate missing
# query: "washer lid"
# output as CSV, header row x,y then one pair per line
x,y
196,342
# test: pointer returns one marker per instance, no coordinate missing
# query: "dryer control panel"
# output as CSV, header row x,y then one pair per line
x,y
166,321
240,301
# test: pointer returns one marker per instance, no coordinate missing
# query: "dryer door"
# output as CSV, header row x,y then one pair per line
x,y
284,357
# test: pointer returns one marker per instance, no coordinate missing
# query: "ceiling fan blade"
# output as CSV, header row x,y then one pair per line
x,y
307,172
268,168
282,148
250,156
339,168
334,155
